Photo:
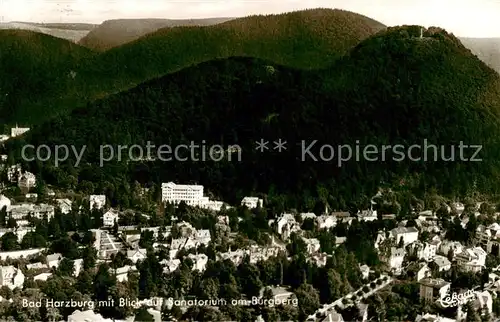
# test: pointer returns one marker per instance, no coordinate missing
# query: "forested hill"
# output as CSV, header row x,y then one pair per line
x,y
394,88
303,39
35,70
116,32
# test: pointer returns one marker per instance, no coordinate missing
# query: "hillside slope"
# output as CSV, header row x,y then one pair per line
x,y
303,39
486,49
34,69
393,88
62,31
114,33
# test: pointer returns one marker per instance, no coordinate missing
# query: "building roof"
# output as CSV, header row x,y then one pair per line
x,y
434,282
441,261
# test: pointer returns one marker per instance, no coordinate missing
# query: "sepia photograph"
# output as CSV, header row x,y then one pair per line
x,y
250,160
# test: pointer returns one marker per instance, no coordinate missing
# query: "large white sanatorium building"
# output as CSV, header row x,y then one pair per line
x,y
192,195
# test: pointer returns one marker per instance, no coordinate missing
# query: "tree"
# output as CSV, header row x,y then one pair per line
x,y
9,242
308,300
66,267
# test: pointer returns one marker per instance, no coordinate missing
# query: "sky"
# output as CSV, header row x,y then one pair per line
x,y
465,18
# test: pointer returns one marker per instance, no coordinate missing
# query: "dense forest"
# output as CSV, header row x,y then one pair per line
x,y
45,76
393,88
116,32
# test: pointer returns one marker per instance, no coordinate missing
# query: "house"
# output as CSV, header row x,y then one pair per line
x,y
4,202
319,259
407,234
287,224
423,271
484,301
27,180
14,173
38,265
223,220
395,258
78,266
450,246
121,273
441,263
312,245
136,255
326,221
64,205
87,316
279,293
425,251
471,259
365,271
110,217
53,260
169,266
432,289
11,277
97,201
252,202
308,215
367,215
42,277
199,261
333,316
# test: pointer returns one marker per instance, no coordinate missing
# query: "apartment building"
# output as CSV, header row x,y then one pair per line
x,y
252,202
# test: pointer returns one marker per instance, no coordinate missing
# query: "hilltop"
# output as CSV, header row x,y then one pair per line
x,y
393,88
35,68
71,32
486,49
116,32
304,39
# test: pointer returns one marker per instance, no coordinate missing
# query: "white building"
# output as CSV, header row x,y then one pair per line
x,y
326,221
192,195
121,273
42,277
14,173
426,251
27,180
16,131
199,261
53,260
286,224
137,255
97,201
395,259
21,211
312,245
367,215
110,217
252,202
87,316
11,277
4,202
64,205
407,234
472,259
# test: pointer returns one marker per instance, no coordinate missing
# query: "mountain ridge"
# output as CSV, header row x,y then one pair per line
x,y
280,38
424,84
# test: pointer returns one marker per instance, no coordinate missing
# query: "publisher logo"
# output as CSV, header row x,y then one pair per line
x,y
457,299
